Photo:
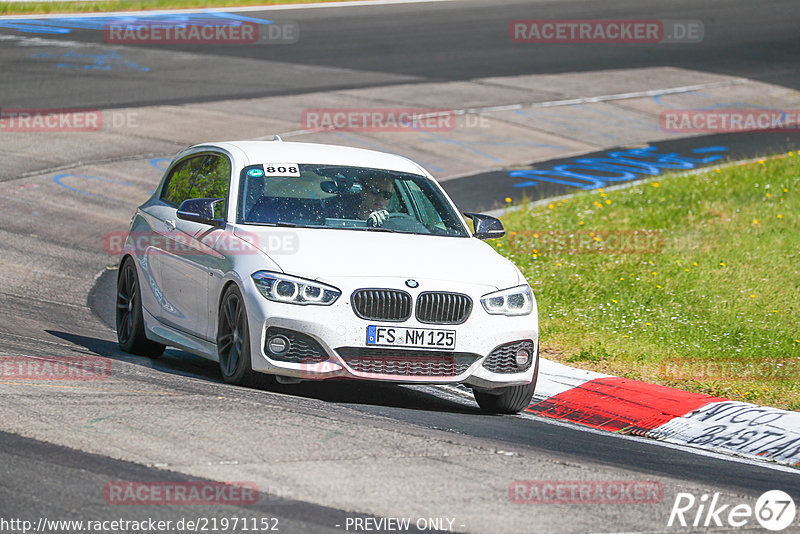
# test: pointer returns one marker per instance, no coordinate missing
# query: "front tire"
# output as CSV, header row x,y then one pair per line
x,y
129,319
508,400
233,339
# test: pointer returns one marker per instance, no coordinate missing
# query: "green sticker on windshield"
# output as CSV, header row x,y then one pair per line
x,y
255,173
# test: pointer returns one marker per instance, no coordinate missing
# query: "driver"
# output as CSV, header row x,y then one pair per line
x,y
378,192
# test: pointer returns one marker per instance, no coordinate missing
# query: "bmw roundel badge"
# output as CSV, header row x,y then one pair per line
x,y
412,283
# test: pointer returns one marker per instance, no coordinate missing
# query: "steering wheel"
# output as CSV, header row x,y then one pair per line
x,y
404,222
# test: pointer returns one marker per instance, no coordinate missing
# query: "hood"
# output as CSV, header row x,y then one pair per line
x,y
329,253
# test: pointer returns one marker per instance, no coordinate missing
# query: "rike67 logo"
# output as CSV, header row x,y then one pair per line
x,y
774,510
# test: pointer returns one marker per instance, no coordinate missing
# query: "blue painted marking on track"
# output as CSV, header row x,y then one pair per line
x,y
703,150
108,61
65,25
617,166
57,179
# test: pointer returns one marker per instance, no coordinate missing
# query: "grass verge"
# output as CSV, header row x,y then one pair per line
x,y
710,300
100,6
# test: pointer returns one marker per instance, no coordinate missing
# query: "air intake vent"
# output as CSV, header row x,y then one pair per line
x,y
406,362
382,304
443,308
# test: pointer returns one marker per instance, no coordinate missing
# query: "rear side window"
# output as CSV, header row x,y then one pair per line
x,y
203,176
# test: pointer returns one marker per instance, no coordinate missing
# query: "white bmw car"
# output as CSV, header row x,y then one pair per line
x,y
308,262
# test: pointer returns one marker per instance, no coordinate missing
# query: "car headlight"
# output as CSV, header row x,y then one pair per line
x,y
293,290
514,301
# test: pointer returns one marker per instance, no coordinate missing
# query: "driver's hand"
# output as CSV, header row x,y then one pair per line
x,y
376,218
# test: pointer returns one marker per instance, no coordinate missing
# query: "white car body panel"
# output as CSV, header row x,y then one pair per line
x,y
362,254
181,294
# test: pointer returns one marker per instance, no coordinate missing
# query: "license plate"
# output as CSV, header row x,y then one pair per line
x,y
398,336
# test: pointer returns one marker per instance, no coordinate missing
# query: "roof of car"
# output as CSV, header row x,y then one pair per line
x,y
287,152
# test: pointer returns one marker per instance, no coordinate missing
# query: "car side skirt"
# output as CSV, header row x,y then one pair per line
x,y
157,331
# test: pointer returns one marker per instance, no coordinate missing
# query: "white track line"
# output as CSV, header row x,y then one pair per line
x,y
635,94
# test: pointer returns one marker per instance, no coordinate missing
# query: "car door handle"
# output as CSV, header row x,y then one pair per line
x,y
170,225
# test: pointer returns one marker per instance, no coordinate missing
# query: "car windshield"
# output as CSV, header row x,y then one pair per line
x,y
334,196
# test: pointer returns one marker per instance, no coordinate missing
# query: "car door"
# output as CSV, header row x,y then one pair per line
x,y
185,262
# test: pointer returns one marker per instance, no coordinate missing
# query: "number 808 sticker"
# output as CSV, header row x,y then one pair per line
x,y
282,169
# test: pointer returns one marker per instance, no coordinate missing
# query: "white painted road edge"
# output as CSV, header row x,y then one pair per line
x,y
733,427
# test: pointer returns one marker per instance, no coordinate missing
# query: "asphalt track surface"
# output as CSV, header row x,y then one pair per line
x,y
426,43
55,456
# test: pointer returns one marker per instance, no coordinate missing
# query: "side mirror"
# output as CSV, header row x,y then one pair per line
x,y
200,210
486,226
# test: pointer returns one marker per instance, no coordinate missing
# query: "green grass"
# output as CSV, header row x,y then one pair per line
x,y
726,285
33,8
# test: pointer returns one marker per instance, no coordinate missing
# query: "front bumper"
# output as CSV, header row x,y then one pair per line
x,y
341,334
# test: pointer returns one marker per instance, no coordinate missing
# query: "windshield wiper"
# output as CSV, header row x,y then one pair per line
x,y
376,229
280,224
